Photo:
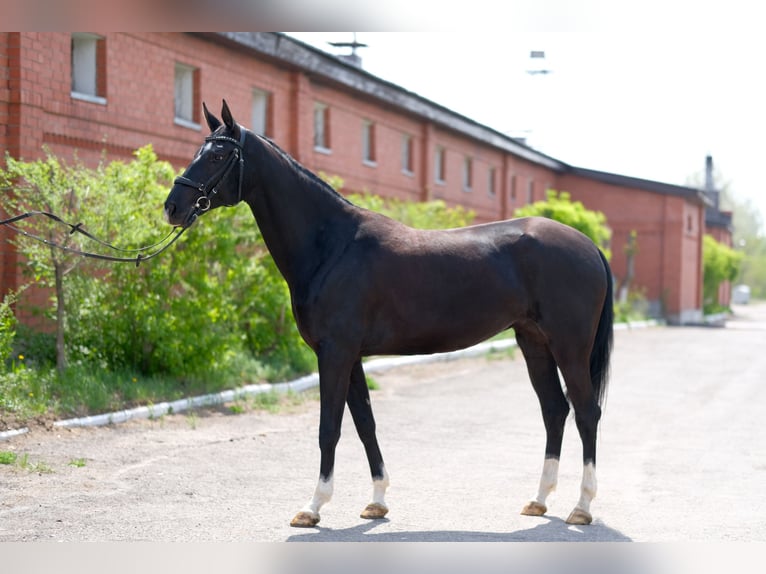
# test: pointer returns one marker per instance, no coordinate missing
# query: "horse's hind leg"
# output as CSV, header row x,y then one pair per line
x,y
576,372
361,410
555,408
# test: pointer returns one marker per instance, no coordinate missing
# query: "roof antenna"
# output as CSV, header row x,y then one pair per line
x,y
353,58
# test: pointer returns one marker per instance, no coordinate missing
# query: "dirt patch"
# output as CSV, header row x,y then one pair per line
x,y
12,421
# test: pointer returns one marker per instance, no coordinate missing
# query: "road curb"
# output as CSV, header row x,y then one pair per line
x,y
375,365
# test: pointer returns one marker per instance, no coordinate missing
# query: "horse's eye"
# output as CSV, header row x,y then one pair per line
x,y
216,157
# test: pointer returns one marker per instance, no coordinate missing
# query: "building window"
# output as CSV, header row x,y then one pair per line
x,y
530,191
261,123
467,174
513,188
321,127
407,160
368,142
187,96
89,68
440,167
491,182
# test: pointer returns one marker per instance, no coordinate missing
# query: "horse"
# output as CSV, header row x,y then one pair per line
x,y
362,284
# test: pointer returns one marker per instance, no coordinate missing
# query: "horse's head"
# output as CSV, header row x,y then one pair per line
x,y
214,177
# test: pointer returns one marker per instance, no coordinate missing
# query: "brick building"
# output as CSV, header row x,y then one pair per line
x,y
115,92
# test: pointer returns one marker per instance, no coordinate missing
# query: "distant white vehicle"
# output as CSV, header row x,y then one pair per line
x,y
740,295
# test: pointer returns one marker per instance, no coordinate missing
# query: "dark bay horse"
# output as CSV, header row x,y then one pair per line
x,y
362,284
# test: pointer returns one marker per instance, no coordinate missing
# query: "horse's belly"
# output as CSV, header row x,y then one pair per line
x,y
430,329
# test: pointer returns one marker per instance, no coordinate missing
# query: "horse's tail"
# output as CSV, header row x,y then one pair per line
x,y
602,345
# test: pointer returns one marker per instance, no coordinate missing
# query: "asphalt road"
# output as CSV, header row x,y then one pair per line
x,y
682,457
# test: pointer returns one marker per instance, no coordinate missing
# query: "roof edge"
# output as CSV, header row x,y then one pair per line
x,y
691,193
280,47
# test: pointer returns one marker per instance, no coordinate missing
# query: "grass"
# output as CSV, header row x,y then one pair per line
x,y
372,384
270,401
12,459
500,354
8,457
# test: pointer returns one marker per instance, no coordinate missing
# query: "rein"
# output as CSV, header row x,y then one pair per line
x,y
174,234
209,188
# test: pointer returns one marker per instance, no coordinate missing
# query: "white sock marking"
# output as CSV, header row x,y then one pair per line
x,y
379,487
588,487
322,495
548,480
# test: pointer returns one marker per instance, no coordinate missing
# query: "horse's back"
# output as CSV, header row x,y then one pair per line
x,y
429,291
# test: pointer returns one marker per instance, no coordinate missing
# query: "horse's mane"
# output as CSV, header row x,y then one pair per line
x,y
301,170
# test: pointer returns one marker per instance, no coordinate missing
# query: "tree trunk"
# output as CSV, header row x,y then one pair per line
x,y
61,361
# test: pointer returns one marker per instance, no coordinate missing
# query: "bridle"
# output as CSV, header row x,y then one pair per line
x,y
209,188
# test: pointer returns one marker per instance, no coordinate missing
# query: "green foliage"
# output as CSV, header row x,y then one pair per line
x,y
8,457
55,187
560,207
422,215
634,308
720,263
210,313
7,328
753,267
749,236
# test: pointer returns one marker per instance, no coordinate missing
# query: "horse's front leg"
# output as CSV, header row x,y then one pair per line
x,y
361,411
334,378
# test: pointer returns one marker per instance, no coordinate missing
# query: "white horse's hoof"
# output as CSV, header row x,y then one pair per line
x,y
305,519
580,517
374,510
534,508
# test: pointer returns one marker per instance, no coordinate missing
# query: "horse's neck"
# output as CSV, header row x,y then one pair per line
x,y
301,221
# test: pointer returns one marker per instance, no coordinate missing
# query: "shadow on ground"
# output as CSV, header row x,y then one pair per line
x,y
551,529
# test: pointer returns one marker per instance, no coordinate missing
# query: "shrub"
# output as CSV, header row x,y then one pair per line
x,y
720,263
7,329
560,207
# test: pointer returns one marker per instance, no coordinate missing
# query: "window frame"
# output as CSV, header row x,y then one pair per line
x,y
492,181
94,60
530,191
467,174
266,97
440,165
191,83
369,156
408,155
322,144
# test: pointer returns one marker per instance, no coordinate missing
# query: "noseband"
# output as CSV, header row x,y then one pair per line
x,y
209,188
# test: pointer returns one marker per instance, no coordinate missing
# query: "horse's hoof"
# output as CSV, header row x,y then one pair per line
x,y
534,508
374,510
579,517
305,519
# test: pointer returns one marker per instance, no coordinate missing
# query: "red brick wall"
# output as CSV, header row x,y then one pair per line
x,y
667,264
36,108
9,129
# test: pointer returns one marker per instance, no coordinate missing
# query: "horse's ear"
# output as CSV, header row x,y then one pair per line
x,y
229,120
212,122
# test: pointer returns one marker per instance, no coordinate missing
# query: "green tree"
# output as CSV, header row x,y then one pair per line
x,y
55,187
749,233
560,207
720,263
